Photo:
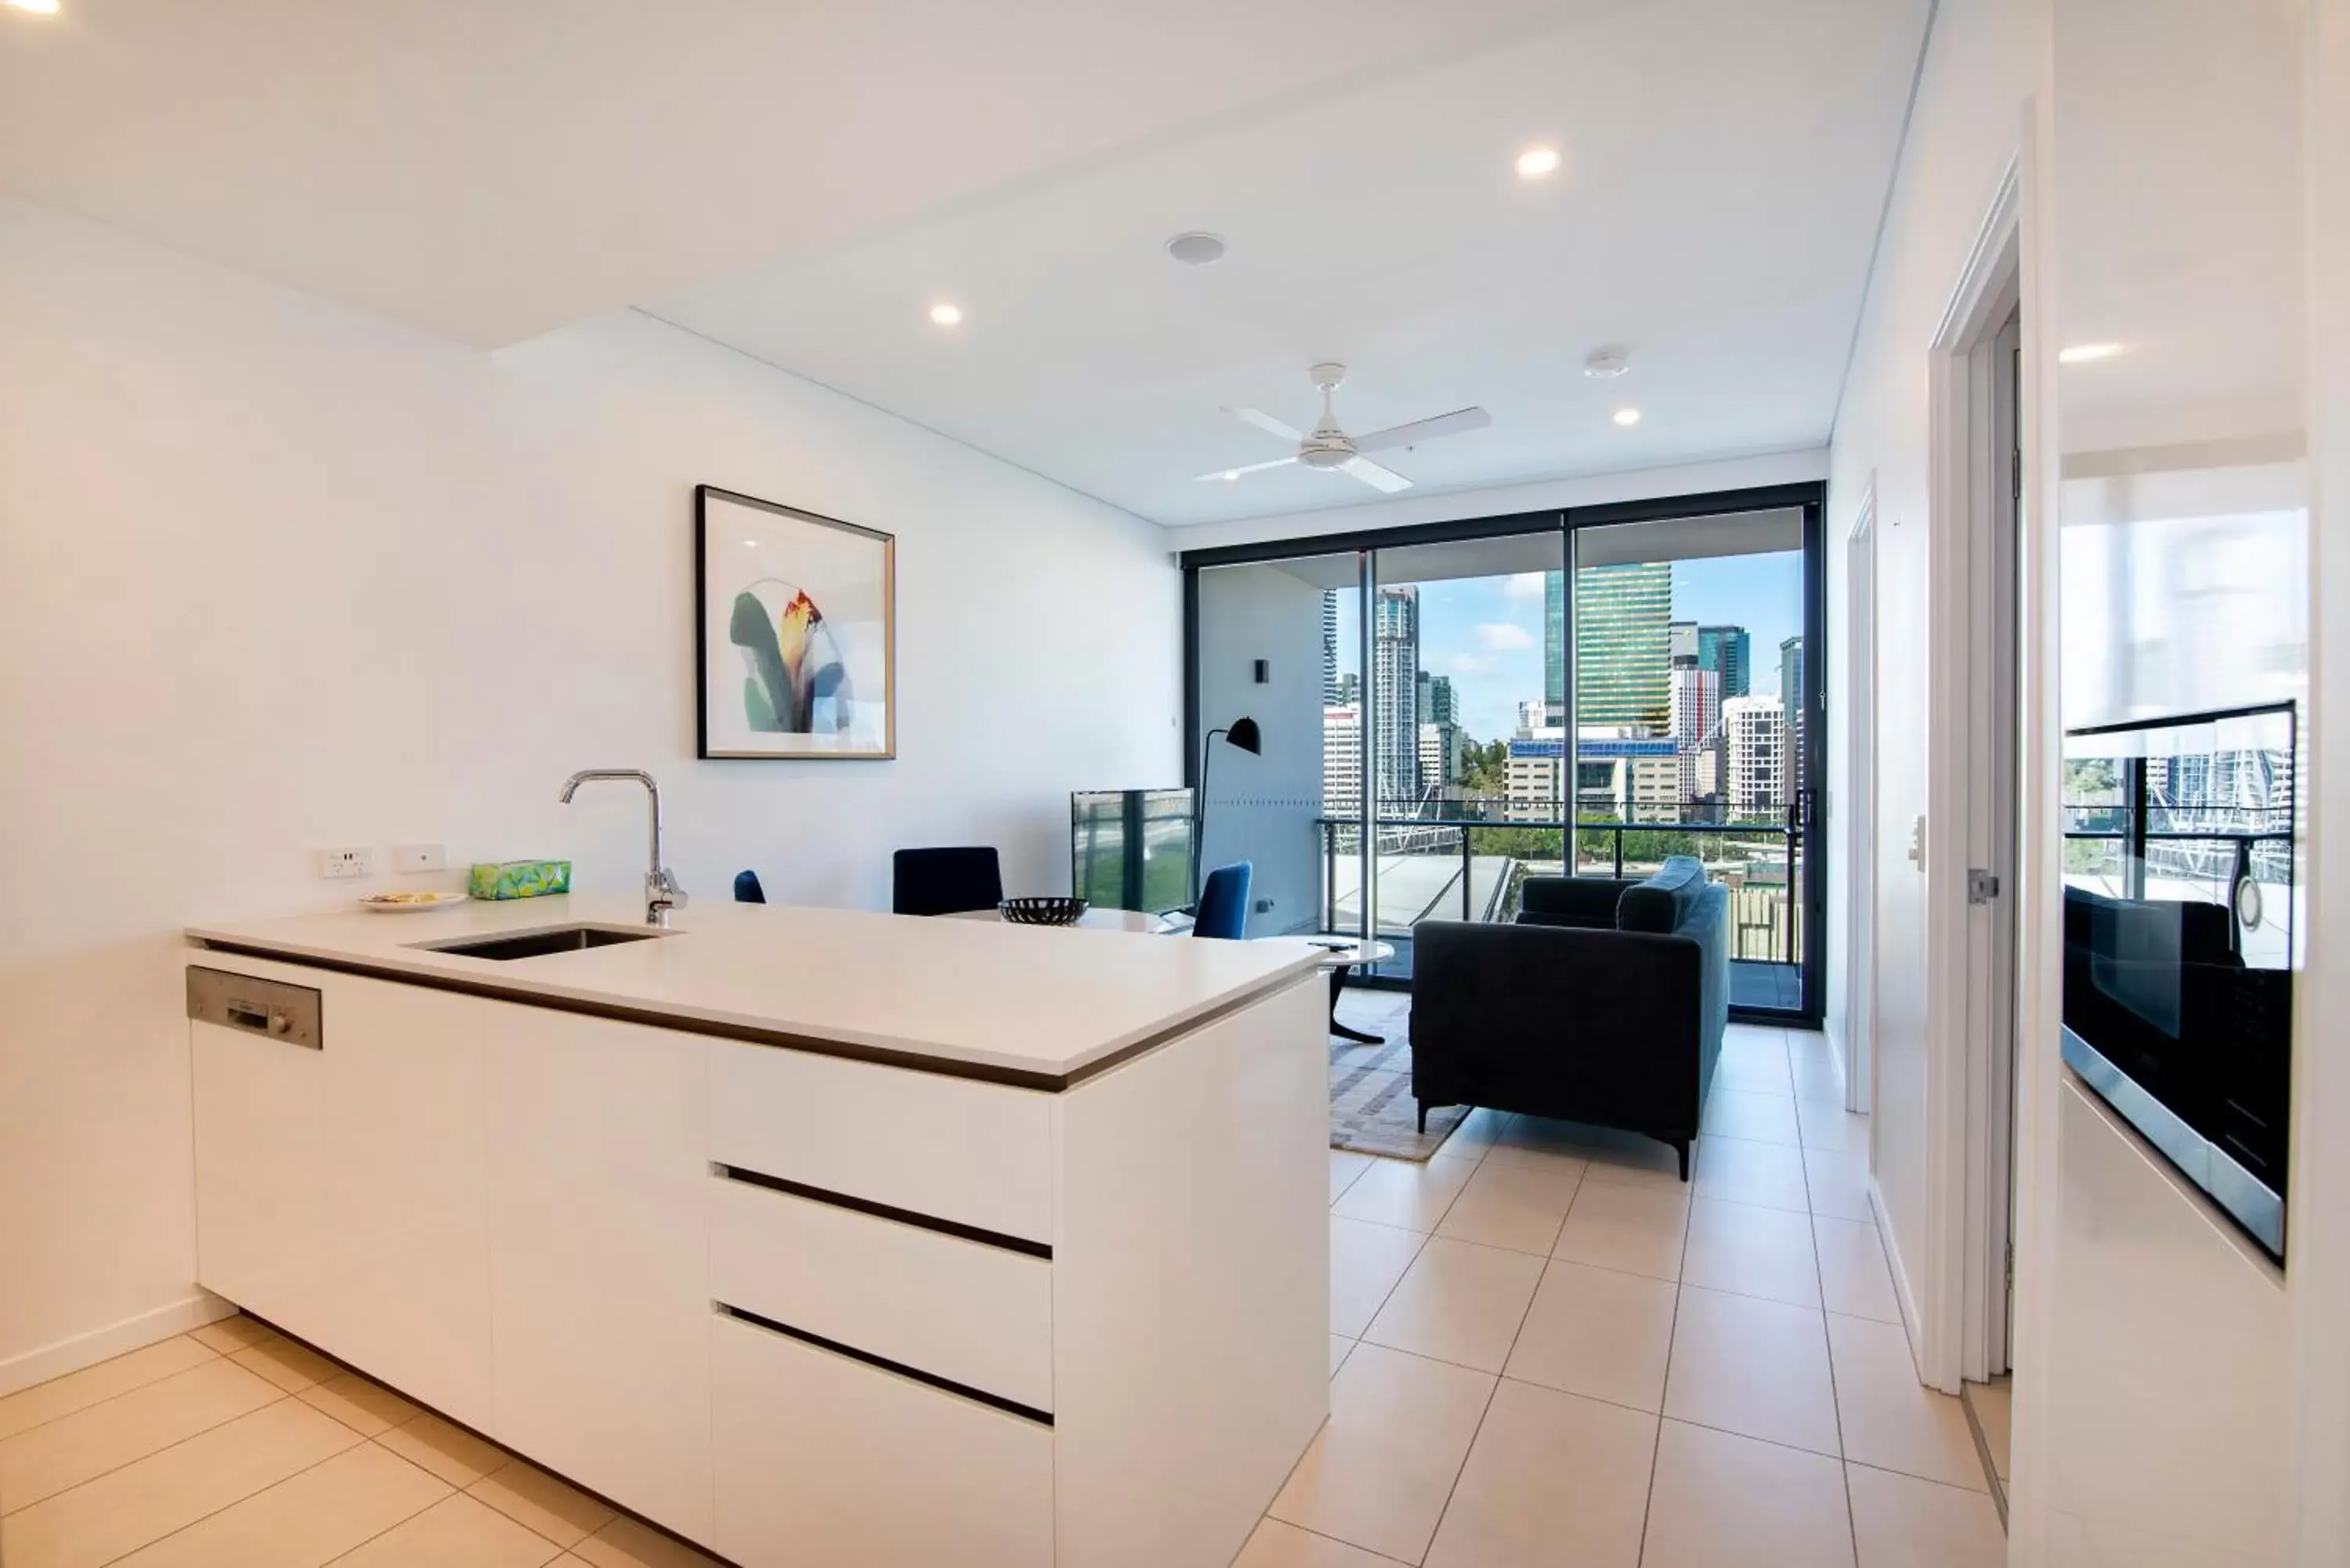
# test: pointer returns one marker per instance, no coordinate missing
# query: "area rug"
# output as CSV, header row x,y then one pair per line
x,y
1371,1107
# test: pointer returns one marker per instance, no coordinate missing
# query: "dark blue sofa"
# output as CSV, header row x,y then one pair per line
x,y
1605,1004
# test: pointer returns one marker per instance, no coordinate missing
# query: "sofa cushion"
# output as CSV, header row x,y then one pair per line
x,y
1661,903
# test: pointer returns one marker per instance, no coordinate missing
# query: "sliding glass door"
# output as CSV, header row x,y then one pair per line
x,y
1448,710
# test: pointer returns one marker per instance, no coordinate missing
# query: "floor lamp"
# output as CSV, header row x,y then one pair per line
x,y
1242,733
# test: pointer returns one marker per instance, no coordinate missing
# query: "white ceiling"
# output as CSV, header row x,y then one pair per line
x,y
1726,162
802,181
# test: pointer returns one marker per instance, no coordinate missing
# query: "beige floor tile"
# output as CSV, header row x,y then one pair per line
x,y
1725,1502
1475,1135
1365,1261
1753,1034
1278,1545
1520,1135
1514,1205
1458,1303
291,1366
231,1333
1408,1193
1838,1182
1756,1367
538,1500
1752,1251
1636,1229
1618,1158
306,1518
1597,1333
1825,1123
1900,1521
1755,1063
1377,1473
74,1449
367,1408
1891,1421
626,1543
1854,1277
1739,1170
30,1407
1814,1068
448,1450
1742,1113
1550,1478
1339,1347
1345,1166
144,1501
456,1532
1994,1404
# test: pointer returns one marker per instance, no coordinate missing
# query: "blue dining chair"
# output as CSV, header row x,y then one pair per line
x,y
1223,902
747,890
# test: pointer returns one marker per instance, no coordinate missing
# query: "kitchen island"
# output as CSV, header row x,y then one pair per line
x,y
814,1236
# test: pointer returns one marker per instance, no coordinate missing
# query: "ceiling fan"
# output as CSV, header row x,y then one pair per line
x,y
1328,448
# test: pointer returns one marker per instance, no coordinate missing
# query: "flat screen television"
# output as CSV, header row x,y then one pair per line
x,y
1131,848
2179,913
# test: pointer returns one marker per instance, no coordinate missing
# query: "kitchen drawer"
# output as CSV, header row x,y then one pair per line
x,y
973,1313
953,1149
824,1460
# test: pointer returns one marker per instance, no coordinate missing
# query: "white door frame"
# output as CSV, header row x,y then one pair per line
x,y
1967,476
1860,807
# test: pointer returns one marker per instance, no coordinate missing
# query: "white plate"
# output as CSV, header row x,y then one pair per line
x,y
438,901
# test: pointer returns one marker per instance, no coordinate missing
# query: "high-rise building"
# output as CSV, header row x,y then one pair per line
x,y
1682,642
1330,697
1342,759
1790,710
1349,688
1442,755
1554,640
1723,650
1436,700
1696,716
1623,637
1394,695
1754,739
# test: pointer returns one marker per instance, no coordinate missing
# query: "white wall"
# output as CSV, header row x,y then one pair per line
x,y
275,574
1591,490
1966,125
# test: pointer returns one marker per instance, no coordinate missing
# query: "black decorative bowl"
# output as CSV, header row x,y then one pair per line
x,y
1042,912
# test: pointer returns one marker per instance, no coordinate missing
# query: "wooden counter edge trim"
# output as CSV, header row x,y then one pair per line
x,y
817,1045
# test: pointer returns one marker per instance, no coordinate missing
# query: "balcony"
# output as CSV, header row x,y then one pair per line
x,y
1471,868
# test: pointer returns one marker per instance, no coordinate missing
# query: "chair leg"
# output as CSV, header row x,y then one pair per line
x,y
1681,1147
1423,1121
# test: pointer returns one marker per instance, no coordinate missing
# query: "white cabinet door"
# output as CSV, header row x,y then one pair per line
x,y
599,1255
825,1460
407,1279
260,1209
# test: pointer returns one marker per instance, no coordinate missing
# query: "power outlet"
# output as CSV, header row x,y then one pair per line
x,y
346,861
419,857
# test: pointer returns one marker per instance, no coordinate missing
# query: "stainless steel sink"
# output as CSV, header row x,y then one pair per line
x,y
538,944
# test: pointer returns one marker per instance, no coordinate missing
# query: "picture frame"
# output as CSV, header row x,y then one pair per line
x,y
795,633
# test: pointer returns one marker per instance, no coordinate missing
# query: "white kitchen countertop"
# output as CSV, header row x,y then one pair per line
x,y
1043,1000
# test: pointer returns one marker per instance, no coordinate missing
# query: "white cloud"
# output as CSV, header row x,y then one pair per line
x,y
1525,587
1470,664
1505,636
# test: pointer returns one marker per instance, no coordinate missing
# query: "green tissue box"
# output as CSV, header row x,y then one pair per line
x,y
519,880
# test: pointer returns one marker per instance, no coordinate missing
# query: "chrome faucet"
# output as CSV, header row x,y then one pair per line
x,y
662,893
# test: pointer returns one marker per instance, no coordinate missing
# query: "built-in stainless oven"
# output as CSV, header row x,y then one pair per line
x,y
2179,910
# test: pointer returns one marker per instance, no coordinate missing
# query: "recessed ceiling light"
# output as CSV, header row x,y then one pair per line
x,y
1603,364
2083,353
37,7
1628,416
1196,247
1537,162
947,315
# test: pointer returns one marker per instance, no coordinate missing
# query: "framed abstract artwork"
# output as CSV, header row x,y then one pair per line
x,y
796,651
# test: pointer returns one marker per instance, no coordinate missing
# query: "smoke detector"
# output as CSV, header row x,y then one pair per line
x,y
1605,364
1196,247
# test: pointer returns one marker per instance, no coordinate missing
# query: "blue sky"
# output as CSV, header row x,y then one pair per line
x,y
1486,633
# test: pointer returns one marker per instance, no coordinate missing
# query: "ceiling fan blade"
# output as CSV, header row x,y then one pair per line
x,y
1418,430
1372,474
1267,423
1245,468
